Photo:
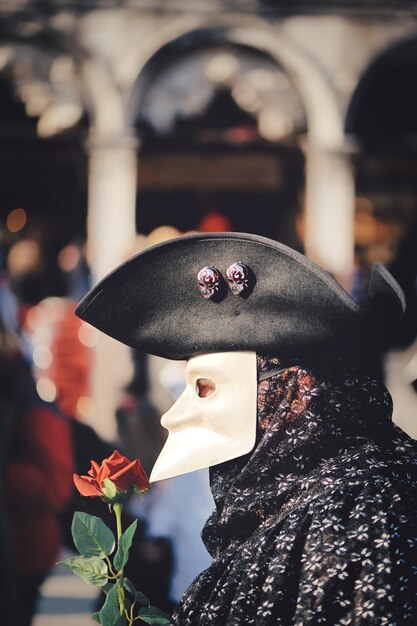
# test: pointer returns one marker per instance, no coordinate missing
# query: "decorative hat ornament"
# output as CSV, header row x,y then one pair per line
x,y
237,276
208,279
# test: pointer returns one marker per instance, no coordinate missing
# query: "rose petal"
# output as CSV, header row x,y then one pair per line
x,y
141,479
87,486
124,477
116,455
116,460
103,472
94,470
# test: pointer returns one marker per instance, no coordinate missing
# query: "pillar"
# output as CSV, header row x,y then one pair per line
x,y
329,210
111,228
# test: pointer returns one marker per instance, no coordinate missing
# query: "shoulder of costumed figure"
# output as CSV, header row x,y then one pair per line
x,y
219,292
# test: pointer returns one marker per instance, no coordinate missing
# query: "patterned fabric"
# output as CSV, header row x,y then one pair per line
x,y
318,524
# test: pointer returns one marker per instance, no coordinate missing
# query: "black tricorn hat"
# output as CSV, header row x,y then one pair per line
x,y
220,292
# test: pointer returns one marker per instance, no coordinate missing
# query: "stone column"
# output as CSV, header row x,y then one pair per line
x,y
329,210
111,231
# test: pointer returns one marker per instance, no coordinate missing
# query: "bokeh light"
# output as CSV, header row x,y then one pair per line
x,y
24,256
69,257
88,335
85,407
16,220
222,67
160,234
215,222
46,389
41,336
35,317
42,357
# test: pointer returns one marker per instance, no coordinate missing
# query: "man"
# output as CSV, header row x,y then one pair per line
x,y
315,488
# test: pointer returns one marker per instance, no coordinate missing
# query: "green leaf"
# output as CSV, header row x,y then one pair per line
x,y
125,542
153,615
90,568
96,617
142,599
107,588
129,586
91,535
109,613
139,597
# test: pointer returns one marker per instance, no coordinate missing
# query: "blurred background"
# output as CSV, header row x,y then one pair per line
x,y
124,123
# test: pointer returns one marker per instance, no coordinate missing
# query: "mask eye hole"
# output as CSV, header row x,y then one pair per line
x,y
205,387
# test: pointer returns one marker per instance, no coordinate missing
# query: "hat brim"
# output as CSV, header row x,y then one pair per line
x,y
153,303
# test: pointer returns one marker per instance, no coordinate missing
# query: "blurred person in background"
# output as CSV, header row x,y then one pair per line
x,y
37,476
11,608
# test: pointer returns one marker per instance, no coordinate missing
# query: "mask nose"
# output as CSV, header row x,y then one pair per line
x,y
182,412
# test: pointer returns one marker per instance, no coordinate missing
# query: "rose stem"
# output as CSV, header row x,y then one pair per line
x,y
118,508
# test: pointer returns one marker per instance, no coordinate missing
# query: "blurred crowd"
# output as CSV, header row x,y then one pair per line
x,y
46,359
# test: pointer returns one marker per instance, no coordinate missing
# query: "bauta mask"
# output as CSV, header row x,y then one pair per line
x,y
214,420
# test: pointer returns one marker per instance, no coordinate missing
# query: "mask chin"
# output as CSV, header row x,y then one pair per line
x,y
214,420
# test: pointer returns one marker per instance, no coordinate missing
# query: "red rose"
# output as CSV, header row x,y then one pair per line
x,y
124,474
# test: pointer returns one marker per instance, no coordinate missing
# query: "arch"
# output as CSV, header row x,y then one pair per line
x,y
100,97
382,88
323,115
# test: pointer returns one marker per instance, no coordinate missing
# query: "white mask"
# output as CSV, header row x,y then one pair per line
x,y
214,420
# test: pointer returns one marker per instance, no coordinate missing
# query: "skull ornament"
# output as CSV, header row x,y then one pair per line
x,y
208,279
237,276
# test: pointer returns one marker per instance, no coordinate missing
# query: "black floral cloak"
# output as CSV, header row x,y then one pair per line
x,y
318,525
